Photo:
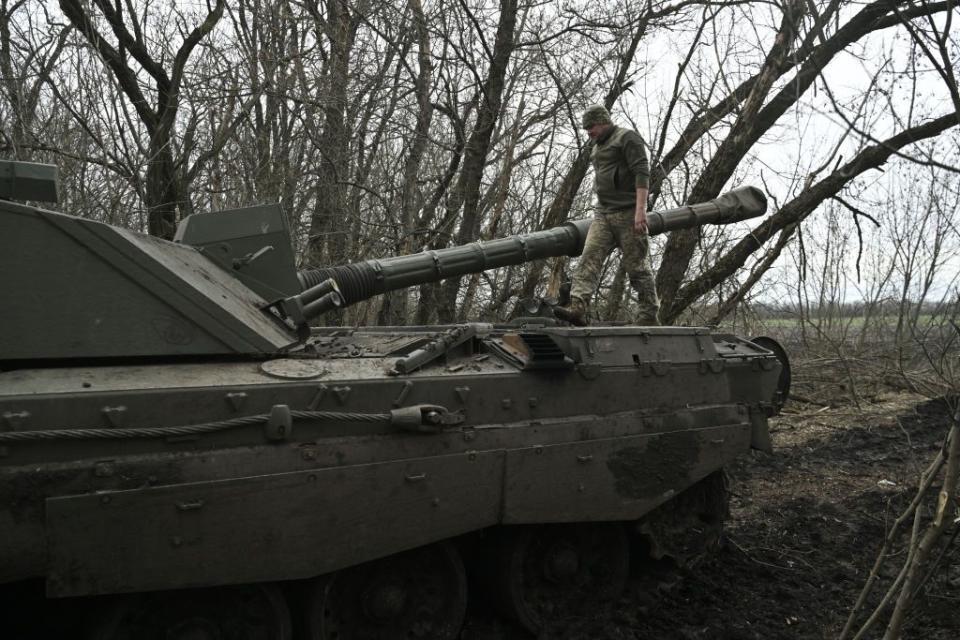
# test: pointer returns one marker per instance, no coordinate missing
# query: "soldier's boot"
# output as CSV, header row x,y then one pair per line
x,y
648,303
648,316
575,312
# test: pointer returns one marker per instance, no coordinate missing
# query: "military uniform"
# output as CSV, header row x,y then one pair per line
x,y
620,168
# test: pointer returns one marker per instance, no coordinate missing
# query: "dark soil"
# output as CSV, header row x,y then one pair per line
x,y
805,528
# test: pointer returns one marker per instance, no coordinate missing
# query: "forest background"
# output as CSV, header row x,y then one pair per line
x,y
389,127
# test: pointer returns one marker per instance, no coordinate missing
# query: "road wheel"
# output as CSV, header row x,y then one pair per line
x,y
415,594
542,571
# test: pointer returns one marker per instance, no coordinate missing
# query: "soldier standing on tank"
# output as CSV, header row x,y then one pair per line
x,y
621,181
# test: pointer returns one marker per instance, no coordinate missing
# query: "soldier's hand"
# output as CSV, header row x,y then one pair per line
x,y
640,221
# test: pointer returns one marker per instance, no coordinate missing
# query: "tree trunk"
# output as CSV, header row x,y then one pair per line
x,y
394,309
325,244
467,191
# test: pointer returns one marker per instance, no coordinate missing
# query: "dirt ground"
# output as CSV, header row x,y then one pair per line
x,y
805,528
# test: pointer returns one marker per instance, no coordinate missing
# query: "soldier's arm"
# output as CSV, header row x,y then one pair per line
x,y
640,213
636,156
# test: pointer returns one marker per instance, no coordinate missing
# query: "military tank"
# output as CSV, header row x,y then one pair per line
x,y
184,456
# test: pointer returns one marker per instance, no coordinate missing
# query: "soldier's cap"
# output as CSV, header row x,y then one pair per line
x,y
595,114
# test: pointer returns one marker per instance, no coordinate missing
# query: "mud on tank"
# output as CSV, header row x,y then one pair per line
x,y
185,456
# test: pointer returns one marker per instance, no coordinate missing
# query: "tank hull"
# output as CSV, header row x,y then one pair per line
x,y
627,419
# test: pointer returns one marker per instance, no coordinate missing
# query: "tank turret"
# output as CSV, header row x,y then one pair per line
x,y
228,283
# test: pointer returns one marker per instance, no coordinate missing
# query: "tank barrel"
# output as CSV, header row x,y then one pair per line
x,y
363,280
740,204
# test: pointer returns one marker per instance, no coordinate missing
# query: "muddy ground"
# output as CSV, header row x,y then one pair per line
x,y
805,528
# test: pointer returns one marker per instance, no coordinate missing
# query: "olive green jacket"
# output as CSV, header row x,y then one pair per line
x,y
620,167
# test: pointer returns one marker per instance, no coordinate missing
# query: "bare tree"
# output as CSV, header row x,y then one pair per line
x,y
165,191
755,119
29,51
465,197
395,307
336,25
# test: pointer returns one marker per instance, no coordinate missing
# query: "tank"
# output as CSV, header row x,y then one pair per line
x,y
185,456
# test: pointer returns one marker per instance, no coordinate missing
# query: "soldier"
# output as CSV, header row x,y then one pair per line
x,y
621,179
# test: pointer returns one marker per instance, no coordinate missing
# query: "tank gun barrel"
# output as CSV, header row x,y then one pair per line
x,y
742,203
363,280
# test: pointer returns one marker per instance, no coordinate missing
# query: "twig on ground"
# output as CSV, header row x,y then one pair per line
x,y
752,559
888,596
936,563
923,547
925,482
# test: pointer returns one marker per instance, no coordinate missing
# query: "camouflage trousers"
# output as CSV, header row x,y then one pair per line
x,y
615,229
